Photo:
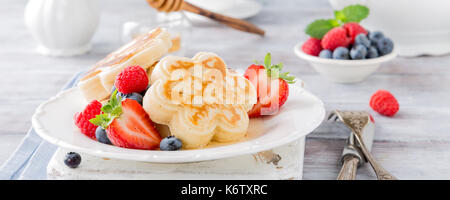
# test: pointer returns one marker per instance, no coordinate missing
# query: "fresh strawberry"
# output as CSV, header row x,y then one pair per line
x,y
312,46
354,29
271,86
371,119
131,79
128,125
336,37
82,118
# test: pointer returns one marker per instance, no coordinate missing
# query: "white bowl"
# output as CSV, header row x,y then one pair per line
x,y
344,71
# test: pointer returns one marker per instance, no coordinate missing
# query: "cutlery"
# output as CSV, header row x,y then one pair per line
x,y
357,122
352,158
177,5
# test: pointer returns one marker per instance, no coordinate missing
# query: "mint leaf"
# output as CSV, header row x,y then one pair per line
x,y
317,29
111,110
335,22
353,13
104,117
106,108
97,121
339,16
113,99
101,120
116,111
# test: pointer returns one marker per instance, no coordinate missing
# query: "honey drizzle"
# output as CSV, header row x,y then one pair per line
x,y
181,65
218,64
203,111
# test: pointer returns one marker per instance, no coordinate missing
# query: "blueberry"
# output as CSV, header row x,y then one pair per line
x,y
372,52
143,92
121,95
385,46
170,143
132,95
135,96
118,94
358,52
326,54
113,89
72,159
101,135
362,39
375,36
340,53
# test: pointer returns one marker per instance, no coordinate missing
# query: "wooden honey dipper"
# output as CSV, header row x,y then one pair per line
x,y
177,5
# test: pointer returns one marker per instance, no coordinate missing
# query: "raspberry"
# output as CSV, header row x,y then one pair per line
x,y
371,119
82,118
354,29
131,79
384,103
312,47
336,37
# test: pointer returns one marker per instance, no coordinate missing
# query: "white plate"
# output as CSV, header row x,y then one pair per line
x,y
240,9
301,114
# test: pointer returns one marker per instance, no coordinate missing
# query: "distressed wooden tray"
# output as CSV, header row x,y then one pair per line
x,y
284,162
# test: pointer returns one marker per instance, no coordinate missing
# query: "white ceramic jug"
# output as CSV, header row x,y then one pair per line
x,y
62,27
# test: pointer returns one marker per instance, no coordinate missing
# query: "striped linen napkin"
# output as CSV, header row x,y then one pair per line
x,y
30,159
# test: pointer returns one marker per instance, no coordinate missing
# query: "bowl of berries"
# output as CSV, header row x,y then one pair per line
x,y
342,50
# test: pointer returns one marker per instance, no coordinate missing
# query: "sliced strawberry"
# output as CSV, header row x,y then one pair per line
x,y
272,92
255,111
272,96
133,128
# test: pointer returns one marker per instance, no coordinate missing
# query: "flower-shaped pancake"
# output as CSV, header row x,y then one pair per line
x,y
199,99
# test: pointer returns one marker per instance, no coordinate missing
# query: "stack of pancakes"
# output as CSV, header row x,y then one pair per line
x,y
219,116
199,99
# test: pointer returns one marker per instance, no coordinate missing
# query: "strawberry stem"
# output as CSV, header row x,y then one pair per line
x,y
274,71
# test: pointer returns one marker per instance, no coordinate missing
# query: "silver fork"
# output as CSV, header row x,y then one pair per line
x,y
356,121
